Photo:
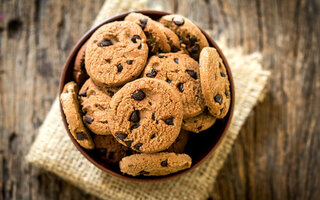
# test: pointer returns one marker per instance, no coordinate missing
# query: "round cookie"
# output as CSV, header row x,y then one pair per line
x,y
198,123
188,33
158,164
71,109
79,71
214,82
172,38
95,102
181,142
156,38
182,73
146,115
109,149
116,53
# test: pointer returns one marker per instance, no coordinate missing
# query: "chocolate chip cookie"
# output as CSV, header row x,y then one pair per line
x,y
71,109
79,71
158,164
188,32
214,82
182,73
145,115
156,38
109,149
95,102
180,143
198,123
116,53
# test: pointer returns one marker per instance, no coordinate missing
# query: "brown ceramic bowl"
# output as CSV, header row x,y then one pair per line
x,y
199,147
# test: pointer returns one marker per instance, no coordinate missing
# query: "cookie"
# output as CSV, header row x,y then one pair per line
x,y
198,123
71,109
180,143
156,38
214,82
95,102
172,38
158,164
145,115
79,71
109,149
182,73
116,53
188,33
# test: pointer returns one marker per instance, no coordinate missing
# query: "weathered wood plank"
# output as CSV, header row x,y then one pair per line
x,y
276,155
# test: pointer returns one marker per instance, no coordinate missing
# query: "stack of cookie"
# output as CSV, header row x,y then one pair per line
x,y
144,84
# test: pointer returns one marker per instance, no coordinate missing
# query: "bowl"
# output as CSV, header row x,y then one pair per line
x,y
199,147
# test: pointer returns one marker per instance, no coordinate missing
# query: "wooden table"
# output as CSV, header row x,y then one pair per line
x,y
277,153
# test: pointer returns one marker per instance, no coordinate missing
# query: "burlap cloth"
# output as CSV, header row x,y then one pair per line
x,y
54,151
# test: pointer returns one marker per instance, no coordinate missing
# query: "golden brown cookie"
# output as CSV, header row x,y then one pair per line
x,y
95,102
158,164
79,71
214,82
182,73
109,149
198,123
156,38
71,109
116,53
145,115
188,33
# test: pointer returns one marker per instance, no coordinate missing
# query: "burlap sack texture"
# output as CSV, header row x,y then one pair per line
x,y
54,151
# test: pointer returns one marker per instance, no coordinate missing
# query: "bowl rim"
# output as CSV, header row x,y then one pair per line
x,y
70,60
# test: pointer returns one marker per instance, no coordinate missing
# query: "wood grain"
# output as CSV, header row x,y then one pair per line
x,y
276,154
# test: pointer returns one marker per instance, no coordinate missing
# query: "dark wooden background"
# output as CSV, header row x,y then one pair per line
x,y
277,153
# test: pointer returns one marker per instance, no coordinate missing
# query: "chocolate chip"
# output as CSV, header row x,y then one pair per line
x,y
137,146
169,121
192,73
119,67
83,93
128,143
160,56
153,136
140,46
152,74
199,128
135,116
95,41
227,94
223,74
193,39
143,172
218,98
81,136
105,43
143,22
138,95
88,119
129,62
221,110
134,126
179,21
176,60
135,38
219,65
195,48
168,80
183,121
121,136
153,116
111,93
157,122
180,87
164,163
